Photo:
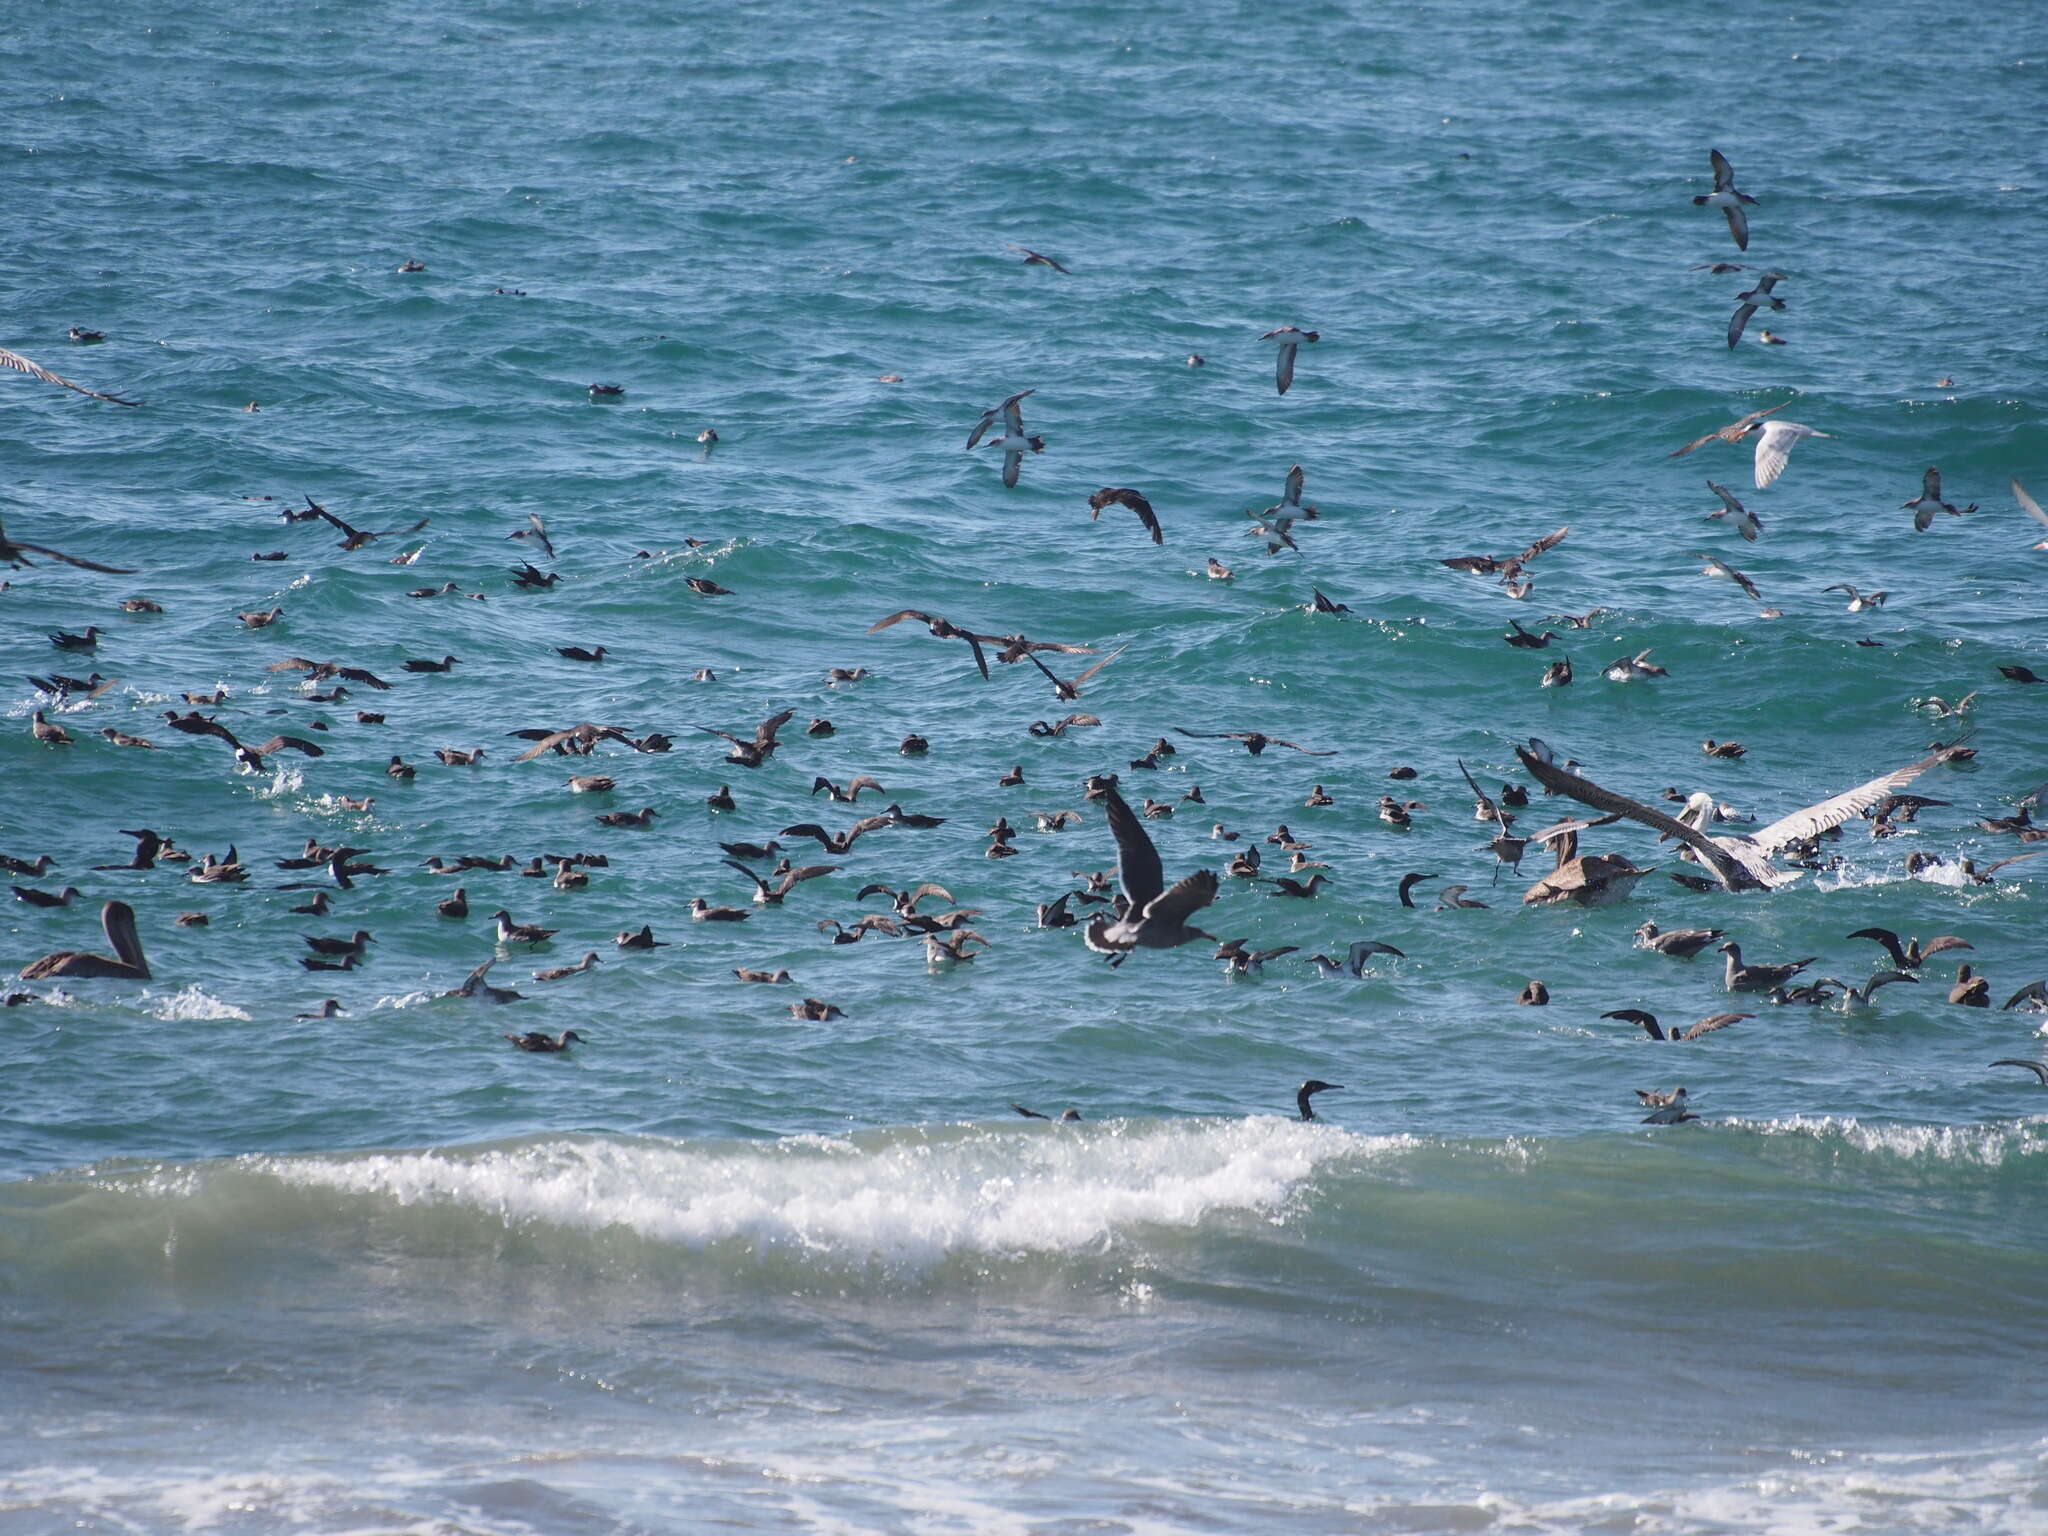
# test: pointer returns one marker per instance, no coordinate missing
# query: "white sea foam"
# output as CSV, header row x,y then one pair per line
x,y
1989,1145
903,1200
192,1003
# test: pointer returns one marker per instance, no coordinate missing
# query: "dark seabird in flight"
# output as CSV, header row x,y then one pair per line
x,y
1289,339
1255,742
1033,259
14,552
1150,915
1747,523
1929,502
1749,301
21,364
1728,198
1124,496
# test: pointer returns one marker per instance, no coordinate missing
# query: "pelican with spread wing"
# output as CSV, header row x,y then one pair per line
x,y
1742,863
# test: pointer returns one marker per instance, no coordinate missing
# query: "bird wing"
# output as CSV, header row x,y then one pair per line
x,y
1138,868
1033,659
119,570
1815,819
1885,937
1991,869
1548,541
1477,792
2039,1069
1724,173
1146,515
1112,656
362,675
907,613
1718,1021
21,364
1738,225
1716,855
1773,447
1275,741
868,824
1013,413
475,979
1930,483
974,643
988,419
347,531
758,881
1356,955
1183,899
764,733
2027,503
1740,319
295,743
1013,461
1290,496
1283,372
1745,583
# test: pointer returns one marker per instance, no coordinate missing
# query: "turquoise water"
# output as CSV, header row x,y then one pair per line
x,y
721,1268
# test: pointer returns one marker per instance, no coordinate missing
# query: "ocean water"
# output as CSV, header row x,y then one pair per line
x,y
721,1269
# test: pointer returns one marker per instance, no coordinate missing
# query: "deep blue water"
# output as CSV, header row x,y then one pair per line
x,y
718,1267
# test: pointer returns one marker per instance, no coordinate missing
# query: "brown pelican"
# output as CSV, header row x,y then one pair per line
x,y
117,919
1741,863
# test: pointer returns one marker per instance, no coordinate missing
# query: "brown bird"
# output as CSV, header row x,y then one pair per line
x,y
1124,496
21,364
1970,991
771,896
1734,432
13,552
127,963
764,978
48,733
446,663
559,972
1728,749
837,843
1255,742
1650,1026
1910,955
813,1011
701,911
644,817
263,619
752,753
533,1040
851,793
1033,259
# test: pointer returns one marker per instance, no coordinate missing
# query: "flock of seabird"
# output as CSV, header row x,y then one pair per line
x,y
1140,910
